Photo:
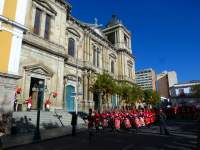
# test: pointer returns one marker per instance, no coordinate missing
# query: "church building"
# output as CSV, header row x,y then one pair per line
x,y
58,48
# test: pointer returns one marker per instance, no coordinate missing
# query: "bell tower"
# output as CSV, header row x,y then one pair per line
x,y
117,34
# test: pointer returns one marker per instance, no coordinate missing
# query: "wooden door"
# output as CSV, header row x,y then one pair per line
x,y
34,100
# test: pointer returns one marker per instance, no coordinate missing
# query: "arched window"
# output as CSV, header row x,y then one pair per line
x,y
94,56
112,66
71,47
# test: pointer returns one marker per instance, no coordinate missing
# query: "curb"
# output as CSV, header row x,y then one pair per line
x,y
38,141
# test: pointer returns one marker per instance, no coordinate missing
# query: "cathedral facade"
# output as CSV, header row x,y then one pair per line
x,y
58,49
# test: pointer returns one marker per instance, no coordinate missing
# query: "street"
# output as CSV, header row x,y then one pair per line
x,y
183,135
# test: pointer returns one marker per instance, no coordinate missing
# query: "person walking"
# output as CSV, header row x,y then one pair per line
x,y
91,121
161,119
74,123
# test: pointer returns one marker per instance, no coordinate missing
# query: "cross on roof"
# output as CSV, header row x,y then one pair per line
x,y
95,20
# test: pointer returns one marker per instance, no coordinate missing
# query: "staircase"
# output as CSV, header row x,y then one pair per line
x,y
26,121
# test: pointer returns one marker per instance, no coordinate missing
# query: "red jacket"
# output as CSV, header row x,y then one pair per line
x,y
90,121
97,118
48,102
29,101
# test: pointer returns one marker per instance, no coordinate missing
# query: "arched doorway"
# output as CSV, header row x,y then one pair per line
x,y
35,95
96,99
114,101
69,98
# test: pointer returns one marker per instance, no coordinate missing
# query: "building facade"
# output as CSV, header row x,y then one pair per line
x,y
165,80
54,43
12,15
181,93
146,79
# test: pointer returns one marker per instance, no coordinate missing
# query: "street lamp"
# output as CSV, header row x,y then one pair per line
x,y
38,88
76,97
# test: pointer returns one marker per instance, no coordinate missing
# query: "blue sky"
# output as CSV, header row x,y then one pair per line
x,y
166,33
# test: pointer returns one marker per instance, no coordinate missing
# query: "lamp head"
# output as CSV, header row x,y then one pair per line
x,y
40,82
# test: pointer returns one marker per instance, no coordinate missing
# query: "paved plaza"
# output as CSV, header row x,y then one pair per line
x,y
183,135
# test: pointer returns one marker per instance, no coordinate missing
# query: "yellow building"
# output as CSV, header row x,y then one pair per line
x,y
12,16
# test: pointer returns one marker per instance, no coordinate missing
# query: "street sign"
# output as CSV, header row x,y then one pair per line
x,y
79,93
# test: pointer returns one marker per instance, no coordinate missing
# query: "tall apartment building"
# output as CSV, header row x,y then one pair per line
x,y
146,79
165,80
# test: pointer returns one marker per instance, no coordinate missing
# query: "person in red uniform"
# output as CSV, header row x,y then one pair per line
x,y
29,104
91,120
47,105
104,117
97,119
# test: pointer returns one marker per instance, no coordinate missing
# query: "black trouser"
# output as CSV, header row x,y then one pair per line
x,y
15,104
74,130
163,127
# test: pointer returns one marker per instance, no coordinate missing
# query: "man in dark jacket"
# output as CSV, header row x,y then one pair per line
x,y
74,123
161,119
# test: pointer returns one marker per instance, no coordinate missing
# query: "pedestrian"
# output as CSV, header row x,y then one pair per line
x,y
74,123
91,121
29,103
47,105
97,121
15,103
161,119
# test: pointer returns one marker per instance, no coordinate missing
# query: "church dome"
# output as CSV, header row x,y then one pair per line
x,y
113,21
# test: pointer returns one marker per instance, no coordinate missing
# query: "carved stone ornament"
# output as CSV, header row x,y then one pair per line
x,y
113,56
44,5
73,78
39,69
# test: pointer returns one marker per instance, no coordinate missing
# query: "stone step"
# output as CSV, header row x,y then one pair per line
x,y
26,121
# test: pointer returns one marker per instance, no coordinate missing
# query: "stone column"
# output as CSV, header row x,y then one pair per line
x,y
42,26
87,49
85,87
33,18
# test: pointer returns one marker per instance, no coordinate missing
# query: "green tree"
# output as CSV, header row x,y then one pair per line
x,y
152,97
157,98
104,84
195,89
126,92
137,93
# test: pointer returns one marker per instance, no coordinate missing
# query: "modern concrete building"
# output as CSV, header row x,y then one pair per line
x,y
181,94
146,79
164,81
54,43
12,16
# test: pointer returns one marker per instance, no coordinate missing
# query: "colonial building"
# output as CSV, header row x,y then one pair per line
x,y
12,15
53,44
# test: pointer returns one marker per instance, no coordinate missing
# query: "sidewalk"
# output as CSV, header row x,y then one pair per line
x,y
11,141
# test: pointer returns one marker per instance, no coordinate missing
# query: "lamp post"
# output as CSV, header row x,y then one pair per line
x,y
76,97
38,88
